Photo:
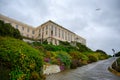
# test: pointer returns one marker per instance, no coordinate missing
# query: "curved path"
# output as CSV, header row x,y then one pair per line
x,y
94,71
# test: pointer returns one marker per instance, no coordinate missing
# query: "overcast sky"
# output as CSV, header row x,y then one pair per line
x,y
98,21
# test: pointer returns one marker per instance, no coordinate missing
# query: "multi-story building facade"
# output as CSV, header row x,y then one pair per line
x,y
49,31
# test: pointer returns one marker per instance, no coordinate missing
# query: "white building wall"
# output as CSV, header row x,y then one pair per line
x,y
45,31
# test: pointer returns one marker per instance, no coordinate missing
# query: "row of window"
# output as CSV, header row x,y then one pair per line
x,y
54,31
57,32
28,30
51,31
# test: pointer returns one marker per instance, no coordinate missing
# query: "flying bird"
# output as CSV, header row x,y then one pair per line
x,y
98,9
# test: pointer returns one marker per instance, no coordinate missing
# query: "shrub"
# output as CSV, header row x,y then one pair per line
x,y
55,61
117,54
47,54
83,59
6,29
75,59
4,70
93,57
74,64
65,58
50,47
64,43
78,59
118,61
102,55
83,48
40,48
116,66
74,54
80,55
101,51
22,58
34,76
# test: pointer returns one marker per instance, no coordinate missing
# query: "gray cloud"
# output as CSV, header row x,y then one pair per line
x,y
100,27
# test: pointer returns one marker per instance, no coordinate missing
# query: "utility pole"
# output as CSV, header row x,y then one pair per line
x,y
114,56
113,52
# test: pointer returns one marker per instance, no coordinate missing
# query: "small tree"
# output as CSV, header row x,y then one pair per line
x,y
6,29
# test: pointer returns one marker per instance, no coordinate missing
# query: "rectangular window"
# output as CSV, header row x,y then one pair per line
x,y
22,28
51,27
68,37
71,37
43,31
65,35
55,31
39,35
46,30
39,30
28,30
62,34
16,26
52,31
33,32
59,33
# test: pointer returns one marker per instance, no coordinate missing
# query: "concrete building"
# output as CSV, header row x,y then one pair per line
x,y
49,31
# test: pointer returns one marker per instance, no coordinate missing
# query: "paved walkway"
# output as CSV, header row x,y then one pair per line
x,y
94,71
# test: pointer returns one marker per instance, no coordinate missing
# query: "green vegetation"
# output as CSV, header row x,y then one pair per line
x,y
64,46
116,65
117,54
66,55
19,60
6,29
78,59
102,55
65,58
22,61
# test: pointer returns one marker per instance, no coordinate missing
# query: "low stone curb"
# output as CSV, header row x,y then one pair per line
x,y
114,71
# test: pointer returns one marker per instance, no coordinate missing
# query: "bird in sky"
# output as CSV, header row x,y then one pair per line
x,y
98,9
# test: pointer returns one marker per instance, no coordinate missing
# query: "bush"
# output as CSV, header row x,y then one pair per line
x,y
102,55
6,29
83,59
80,55
116,66
50,47
101,51
78,59
74,64
93,57
65,58
83,48
117,54
75,59
75,54
21,58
